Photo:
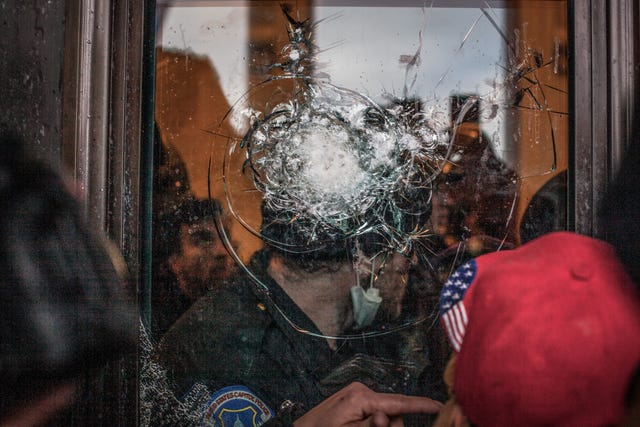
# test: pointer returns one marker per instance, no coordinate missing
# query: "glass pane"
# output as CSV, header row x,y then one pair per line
x,y
321,167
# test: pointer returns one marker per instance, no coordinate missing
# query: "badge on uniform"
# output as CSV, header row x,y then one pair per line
x,y
235,406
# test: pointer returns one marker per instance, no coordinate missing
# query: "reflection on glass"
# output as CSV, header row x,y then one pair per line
x,y
351,157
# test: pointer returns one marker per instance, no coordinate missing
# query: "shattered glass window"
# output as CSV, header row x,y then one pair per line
x,y
320,168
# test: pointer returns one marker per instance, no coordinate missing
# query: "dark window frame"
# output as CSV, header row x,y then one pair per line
x,y
107,141
603,91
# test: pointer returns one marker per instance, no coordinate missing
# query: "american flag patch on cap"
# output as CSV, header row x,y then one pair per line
x,y
452,310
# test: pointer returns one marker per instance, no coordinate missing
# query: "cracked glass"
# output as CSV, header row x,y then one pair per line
x,y
320,169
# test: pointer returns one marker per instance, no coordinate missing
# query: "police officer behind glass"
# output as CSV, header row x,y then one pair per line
x,y
272,355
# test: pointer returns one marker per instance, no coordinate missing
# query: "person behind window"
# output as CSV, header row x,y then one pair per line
x,y
476,190
547,334
237,339
196,260
63,311
201,261
270,340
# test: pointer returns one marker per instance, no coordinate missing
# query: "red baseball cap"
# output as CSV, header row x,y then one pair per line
x,y
545,334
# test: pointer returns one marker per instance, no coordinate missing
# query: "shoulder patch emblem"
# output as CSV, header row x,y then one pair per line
x,y
235,406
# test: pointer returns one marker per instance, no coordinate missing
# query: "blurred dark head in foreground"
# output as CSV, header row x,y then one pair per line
x,y
62,307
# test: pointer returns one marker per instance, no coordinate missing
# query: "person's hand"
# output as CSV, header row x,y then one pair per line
x,y
358,405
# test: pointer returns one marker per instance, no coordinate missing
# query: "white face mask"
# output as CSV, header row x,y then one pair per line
x,y
365,304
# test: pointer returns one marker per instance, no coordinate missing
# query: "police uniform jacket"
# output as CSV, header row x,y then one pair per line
x,y
243,341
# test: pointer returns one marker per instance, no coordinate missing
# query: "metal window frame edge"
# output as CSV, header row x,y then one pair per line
x,y
604,88
107,145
